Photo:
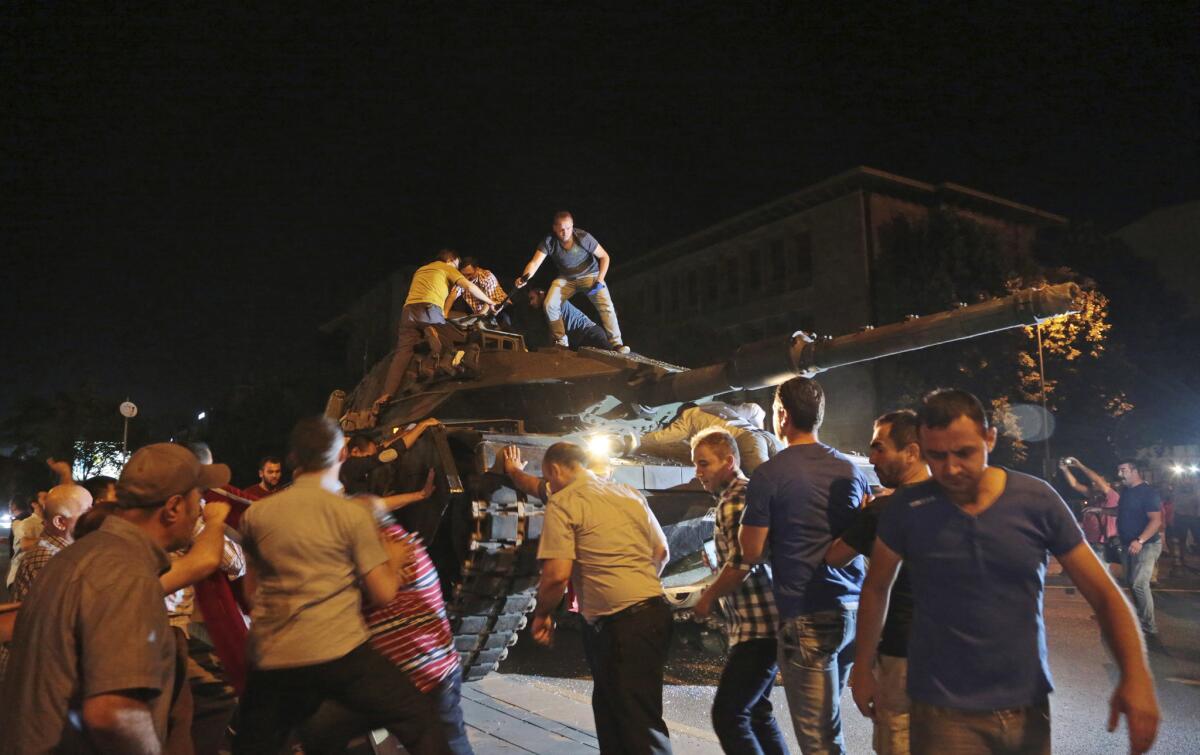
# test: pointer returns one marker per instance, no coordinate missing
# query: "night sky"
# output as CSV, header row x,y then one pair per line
x,y
187,194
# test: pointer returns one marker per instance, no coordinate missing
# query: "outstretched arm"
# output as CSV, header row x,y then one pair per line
x,y
1134,696
531,268
1097,479
1076,485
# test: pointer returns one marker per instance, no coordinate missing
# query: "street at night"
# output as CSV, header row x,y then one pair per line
x,y
538,702
347,348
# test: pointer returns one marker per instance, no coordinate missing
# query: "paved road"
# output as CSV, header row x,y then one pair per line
x,y
538,700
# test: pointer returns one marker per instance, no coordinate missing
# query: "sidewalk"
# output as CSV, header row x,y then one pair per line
x,y
502,717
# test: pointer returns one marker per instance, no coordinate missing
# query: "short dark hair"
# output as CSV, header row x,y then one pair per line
x,y
941,407
804,400
447,255
316,443
563,215
1137,464
97,485
264,461
469,262
361,442
565,454
902,427
200,450
720,441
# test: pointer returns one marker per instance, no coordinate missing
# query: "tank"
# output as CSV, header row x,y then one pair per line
x,y
490,391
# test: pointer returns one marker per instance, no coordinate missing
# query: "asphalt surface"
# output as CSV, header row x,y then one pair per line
x,y
557,679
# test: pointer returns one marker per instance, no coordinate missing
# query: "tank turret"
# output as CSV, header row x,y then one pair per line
x,y
490,391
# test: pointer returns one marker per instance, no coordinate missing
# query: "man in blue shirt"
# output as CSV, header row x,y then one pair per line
x,y
797,503
1139,526
975,539
582,264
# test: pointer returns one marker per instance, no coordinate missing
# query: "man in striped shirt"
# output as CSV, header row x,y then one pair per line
x,y
411,631
742,714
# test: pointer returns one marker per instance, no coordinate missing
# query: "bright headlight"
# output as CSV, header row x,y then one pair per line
x,y
599,446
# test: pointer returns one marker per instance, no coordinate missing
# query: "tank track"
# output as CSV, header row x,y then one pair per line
x,y
498,586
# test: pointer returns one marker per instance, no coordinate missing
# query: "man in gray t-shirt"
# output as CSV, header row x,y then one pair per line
x,y
582,265
308,550
93,656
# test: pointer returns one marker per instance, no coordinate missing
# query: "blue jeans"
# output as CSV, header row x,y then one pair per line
x,y
741,713
816,652
1139,570
562,290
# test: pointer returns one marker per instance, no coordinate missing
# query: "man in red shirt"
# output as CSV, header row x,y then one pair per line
x,y
270,474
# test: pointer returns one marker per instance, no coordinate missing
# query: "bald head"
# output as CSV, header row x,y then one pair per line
x,y
63,505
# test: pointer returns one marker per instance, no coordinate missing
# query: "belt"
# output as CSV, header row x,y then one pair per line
x,y
628,611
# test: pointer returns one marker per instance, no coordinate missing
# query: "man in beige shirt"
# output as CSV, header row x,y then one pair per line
x,y
603,537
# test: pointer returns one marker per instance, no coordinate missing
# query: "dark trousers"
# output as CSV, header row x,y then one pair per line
x,y
362,681
742,715
414,320
213,699
626,653
333,722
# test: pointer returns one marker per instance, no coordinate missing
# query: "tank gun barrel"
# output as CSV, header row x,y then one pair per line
x,y
773,360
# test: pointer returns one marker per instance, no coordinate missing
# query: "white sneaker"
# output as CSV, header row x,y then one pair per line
x,y
622,349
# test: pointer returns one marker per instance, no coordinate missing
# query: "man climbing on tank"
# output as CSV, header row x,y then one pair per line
x,y
582,265
427,293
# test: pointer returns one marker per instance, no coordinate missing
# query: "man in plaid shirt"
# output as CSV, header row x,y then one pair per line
x,y
741,713
485,279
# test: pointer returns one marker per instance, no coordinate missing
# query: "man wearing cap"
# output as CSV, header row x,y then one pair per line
x,y
93,655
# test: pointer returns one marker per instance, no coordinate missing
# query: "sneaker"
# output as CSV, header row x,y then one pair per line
x,y
622,349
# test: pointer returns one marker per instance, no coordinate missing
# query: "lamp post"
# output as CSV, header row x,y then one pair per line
x,y
128,410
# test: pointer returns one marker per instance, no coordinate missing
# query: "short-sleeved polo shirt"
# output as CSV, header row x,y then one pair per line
x,y
1134,510
577,262
807,495
978,639
309,547
94,623
608,530
431,283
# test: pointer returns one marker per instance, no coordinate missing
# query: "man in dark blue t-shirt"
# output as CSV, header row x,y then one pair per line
x,y
582,264
1139,526
796,504
975,540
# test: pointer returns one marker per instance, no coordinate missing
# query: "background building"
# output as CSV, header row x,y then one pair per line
x,y
802,262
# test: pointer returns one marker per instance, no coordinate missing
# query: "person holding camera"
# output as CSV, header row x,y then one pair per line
x,y
1099,520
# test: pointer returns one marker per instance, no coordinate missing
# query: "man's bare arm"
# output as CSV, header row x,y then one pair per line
x,y
204,557
556,572
1097,479
604,260
531,267
872,610
118,723
514,467
840,554
1134,696
450,299
1076,485
753,542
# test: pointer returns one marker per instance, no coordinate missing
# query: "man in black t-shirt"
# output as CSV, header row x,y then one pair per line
x,y
896,455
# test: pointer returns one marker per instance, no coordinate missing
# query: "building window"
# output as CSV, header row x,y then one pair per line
x,y
754,270
731,278
778,265
804,259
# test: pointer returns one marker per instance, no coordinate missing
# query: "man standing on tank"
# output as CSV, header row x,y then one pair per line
x,y
582,265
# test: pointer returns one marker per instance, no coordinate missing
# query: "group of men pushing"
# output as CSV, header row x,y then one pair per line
x,y
581,264
947,654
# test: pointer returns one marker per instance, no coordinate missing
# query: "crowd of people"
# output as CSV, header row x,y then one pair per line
x,y
941,638
168,611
